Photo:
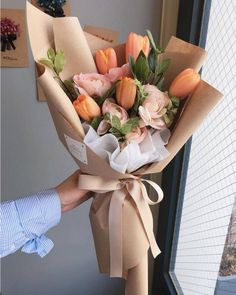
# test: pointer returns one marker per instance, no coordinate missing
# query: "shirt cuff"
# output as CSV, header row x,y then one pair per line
x,y
39,213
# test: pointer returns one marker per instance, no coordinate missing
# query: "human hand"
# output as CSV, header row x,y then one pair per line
x,y
69,193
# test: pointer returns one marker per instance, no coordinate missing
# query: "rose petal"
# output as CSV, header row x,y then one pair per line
x,y
103,127
94,84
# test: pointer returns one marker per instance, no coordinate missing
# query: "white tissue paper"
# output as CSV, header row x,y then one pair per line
x,y
132,156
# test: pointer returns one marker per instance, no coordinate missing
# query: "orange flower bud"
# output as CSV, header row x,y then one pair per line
x,y
134,44
184,83
86,107
126,93
106,59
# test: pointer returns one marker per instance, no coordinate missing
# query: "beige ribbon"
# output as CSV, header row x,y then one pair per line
x,y
137,190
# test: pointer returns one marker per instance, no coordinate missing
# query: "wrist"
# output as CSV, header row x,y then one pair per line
x,y
61,198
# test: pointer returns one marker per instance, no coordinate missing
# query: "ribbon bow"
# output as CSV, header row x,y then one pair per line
x,y
137,190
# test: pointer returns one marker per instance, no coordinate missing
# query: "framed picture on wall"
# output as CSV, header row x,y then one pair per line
x,y
14,51
55,8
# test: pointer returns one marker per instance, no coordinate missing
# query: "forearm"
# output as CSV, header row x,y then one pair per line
x,y
25,221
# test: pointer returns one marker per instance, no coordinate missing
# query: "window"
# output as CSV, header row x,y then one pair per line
x,y
203,257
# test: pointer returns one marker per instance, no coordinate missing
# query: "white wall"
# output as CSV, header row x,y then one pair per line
x,y
33,159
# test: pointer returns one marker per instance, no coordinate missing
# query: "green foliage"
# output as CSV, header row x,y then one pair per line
x,y
130,125
47,63
172,110
150,70
96,121
141,95
163,66
70,86
152,60
59,61
141,67
56,61
132,65
120,130
110,92
157,49
115,122
51,54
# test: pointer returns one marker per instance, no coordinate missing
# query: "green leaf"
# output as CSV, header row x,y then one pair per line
x,y
127,128
110,92
171,116
133,121
115,122
132,65
142,67
96,121
152,42
129,125
152,60
160,84
74,92
170,105
137,103
116,132
51,54
167,120
174,111
150,78
59,61
163,66
107,116
175,101
46,62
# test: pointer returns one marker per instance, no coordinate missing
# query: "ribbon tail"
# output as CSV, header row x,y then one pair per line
x,y
115,233
136,191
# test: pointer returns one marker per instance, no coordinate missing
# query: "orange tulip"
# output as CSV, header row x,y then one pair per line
x,y
106,59
184,83
135,43
86,107
126,93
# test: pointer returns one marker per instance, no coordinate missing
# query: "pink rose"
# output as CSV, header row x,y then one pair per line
x,y
147,120
115,73
153,108
109,106
136,135
94,84
154,94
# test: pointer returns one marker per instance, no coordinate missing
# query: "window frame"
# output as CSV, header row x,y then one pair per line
x,y
193,17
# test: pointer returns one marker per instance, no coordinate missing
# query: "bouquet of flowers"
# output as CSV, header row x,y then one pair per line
x,y
126,113
53,7
9,33
122,111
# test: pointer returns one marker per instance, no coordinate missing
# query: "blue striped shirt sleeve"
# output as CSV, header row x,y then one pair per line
x,y
25,221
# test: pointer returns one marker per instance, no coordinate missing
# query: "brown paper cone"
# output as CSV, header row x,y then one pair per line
x,y
137,279
203,100
135,244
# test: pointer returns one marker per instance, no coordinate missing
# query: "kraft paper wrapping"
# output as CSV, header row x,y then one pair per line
x,y
135,243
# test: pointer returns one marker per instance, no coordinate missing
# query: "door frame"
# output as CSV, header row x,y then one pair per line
x,y
192,25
